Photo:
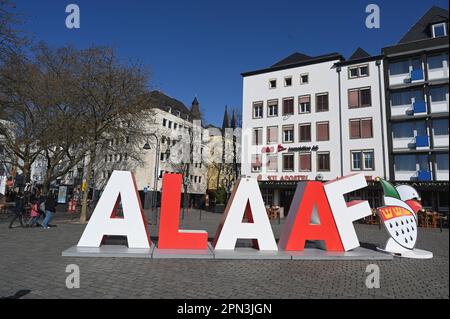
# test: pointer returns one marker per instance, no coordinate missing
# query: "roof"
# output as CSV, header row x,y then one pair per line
x,y
164,102
359,54
421,30
293,58
296,60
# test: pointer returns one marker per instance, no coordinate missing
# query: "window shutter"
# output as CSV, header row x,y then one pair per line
x,y
305,162
323,131
304,99
366,128
353,98
355,130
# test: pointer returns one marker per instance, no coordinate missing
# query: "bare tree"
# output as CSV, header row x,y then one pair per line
x,y
20,116
111,97
11,38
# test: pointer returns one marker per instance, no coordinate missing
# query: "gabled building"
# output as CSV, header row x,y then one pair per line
x,y
416,75
314,118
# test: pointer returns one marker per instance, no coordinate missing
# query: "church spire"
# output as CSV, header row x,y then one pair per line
x,y
233,121
195,110
225,123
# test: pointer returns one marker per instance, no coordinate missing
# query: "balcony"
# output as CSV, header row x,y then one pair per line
x,y
424,176
422,141
419,107
417,75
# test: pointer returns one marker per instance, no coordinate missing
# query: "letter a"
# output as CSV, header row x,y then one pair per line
x,y
245,198
309,218
104,222
170,237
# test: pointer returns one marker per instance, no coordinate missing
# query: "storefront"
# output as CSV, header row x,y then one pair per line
x,y
280,193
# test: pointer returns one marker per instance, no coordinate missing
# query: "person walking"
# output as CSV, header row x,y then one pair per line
x,y
34,213
50,209
19,210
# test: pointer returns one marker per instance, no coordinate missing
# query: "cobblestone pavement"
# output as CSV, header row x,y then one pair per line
x,y
31,266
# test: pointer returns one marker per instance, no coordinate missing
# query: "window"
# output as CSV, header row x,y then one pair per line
x,y
175,126
304,78
199,179
353,72
405,163
369,160
288,106
304,104
305,162
323,161
267,195
164,122
442,162
363,160
272,84
256,163
304,132
288,81
439,30
364,70
322,102
322,131
440,127
358,71
288,162
272,108
398,68
361,128
272,134
405,98
356,160
403,130
437,61
439,94
272,163
170,124
161,157
257,110
288,133
359,97
257,136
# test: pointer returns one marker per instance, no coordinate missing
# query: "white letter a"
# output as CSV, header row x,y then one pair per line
x,y
103,221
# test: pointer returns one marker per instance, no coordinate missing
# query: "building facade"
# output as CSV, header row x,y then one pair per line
x,y
318,118
417,81
313,118
169,124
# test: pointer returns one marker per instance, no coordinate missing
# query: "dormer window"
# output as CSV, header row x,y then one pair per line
x,y
439,30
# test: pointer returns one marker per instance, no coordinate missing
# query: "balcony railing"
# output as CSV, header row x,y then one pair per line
x,y
424,176
419,107
417,75
422,141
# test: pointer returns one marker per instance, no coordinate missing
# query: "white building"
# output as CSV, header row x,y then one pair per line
x,y
308,118
172,123
417,82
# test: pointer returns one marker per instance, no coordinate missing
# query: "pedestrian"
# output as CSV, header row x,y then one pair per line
x,y
34,213
19,210
50,209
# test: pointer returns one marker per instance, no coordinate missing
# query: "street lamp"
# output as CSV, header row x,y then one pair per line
x,y
155,174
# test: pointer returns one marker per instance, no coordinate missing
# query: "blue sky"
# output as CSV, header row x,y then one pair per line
x,y
200,47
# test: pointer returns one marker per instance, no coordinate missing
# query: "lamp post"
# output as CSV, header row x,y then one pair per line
x,y
155,175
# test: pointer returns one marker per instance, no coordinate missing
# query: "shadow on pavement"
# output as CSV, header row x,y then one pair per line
x,y
18,294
